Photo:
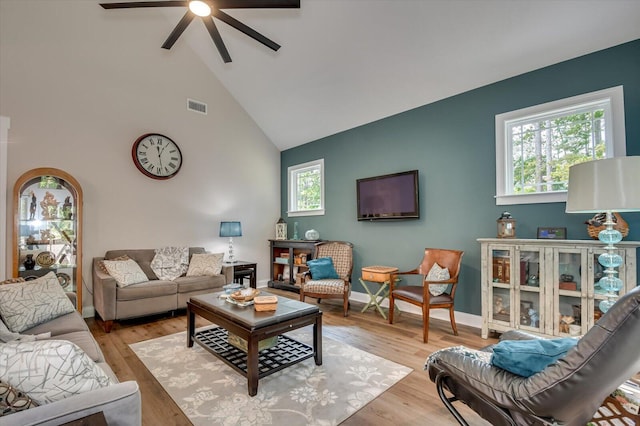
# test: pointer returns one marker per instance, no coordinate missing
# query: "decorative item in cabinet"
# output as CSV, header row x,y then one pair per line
x,y
47,230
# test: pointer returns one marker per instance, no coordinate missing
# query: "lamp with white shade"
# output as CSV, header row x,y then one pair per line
x,y
230,230
609,185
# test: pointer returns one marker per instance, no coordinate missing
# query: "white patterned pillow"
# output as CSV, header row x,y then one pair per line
x,y
438,273
25,305
49,370
126,272
170,262
208,264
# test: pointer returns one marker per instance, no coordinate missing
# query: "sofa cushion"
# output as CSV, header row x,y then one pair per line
x,y
49,370
190,284
205,264
170,262
528,357
13,400
437,273
24,305
125,272
143,258
146,290
64,324
85,341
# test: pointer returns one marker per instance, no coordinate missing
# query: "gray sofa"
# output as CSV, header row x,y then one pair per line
x,y
120,403
147,298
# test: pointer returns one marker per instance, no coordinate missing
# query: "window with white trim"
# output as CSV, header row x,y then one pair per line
x,y
306,189
535,146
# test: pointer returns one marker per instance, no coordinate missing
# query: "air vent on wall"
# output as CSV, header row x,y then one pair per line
x,y
197,106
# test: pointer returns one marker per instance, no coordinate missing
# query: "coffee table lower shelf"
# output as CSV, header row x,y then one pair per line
x,y
285,353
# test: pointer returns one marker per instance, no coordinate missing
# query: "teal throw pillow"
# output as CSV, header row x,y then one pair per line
x,y
528,357
322,269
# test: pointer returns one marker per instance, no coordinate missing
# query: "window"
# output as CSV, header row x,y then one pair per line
x,y
536,146
306,189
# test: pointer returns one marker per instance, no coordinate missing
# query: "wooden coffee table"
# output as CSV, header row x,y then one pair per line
x,y
253,327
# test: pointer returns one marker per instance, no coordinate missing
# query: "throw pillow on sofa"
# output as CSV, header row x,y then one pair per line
x,y
25,305
170,262
104,268
50,370
438,273
125,272
205,264
13,400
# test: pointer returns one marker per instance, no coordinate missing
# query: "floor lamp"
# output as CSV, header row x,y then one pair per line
x,y
610,185
231,229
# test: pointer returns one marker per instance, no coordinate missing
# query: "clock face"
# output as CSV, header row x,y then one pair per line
x,y
157,156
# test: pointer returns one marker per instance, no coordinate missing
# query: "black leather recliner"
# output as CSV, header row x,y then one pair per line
x,y
567,392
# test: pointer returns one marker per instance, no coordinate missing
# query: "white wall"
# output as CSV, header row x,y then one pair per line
x,y
79,96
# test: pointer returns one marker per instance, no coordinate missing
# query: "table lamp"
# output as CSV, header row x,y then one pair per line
x,y
609,185
230,229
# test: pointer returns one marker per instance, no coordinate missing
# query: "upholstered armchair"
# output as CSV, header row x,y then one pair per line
x,y
329,273
568,391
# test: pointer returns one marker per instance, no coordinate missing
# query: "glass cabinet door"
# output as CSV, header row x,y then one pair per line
x,y
500,294
47,228
571,284
530,296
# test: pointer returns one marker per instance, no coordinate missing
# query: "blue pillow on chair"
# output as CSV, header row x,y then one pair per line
x,y
528,357
322,268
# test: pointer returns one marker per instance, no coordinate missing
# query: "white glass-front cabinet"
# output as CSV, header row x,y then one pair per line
x,y
546,287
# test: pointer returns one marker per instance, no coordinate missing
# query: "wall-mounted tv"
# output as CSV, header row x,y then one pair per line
x,y
393,196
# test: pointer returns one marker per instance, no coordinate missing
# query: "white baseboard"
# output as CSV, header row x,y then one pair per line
x,y
442,314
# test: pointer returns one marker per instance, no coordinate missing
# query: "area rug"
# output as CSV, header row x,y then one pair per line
x,y
210,392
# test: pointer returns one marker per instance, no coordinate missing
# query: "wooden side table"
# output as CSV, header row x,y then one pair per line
x,y
383,276
243,269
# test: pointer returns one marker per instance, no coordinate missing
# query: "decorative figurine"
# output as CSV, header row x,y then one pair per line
x,y
33,206
534,318
67,209
49,206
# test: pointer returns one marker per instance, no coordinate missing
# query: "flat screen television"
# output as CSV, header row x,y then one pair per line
x,y
393,196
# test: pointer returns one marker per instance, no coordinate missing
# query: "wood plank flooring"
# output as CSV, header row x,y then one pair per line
x,y
412,401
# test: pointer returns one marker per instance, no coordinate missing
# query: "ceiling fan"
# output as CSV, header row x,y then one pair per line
x,y
207,10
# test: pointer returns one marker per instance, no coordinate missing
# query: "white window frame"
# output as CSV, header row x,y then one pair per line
x,y
615,131
292,172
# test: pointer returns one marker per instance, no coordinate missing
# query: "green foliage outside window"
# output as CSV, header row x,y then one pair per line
x,y
543,150
308,189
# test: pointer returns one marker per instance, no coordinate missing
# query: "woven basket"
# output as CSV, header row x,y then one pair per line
x,y
620,225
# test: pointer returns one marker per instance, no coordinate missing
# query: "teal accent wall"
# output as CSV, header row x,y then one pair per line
x,y
452,144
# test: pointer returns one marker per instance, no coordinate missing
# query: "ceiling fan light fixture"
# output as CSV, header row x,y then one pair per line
x,y
200,8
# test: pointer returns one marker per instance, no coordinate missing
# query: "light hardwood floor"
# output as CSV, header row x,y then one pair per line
x,y
412,401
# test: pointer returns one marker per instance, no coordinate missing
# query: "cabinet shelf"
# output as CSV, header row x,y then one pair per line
x,y
509,301
286,275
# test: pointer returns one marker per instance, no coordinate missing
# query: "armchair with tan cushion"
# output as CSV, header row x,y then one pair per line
x,y
330,273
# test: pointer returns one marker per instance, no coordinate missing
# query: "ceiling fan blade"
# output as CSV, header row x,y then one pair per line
x,y
132,4
178,30
217,38
245,29
257,4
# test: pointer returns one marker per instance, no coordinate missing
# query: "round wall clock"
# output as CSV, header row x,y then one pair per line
x,y
156,156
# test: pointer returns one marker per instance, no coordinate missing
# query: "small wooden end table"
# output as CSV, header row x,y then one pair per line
x,y
242,269
382,275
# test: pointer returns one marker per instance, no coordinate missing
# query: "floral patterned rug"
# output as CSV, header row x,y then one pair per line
x,y
210,392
